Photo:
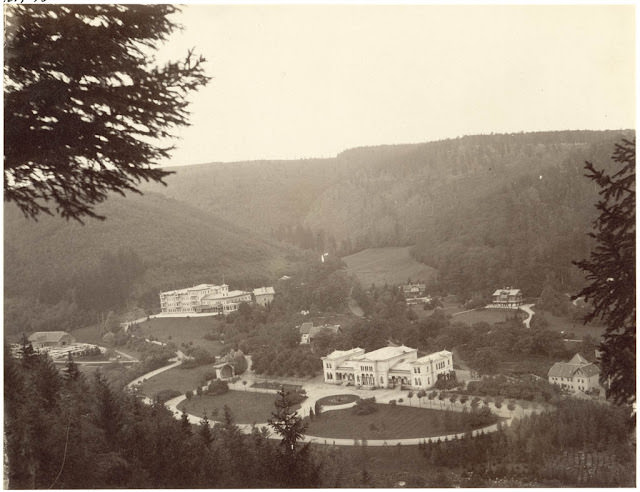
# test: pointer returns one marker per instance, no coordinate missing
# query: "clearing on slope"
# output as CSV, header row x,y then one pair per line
x,y
391,265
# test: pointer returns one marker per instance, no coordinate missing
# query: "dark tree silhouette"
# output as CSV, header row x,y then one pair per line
x,y
611,272
294,461
85,103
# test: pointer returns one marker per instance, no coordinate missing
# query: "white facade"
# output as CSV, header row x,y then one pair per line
x,y
507,298
226,302
576,375
187,300
386,367
264,295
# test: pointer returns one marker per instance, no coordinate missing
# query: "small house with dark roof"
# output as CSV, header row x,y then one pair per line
x,y
576,375
42,339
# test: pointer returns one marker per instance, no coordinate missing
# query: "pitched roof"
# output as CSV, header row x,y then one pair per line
x,y
385,353
318,329
568,369
336,354
578,359
305,328
434,356
590,370
562,370
48,336
261,291
511,292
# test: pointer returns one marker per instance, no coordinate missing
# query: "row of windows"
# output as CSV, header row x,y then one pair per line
x,y
366,368
567,379
418,381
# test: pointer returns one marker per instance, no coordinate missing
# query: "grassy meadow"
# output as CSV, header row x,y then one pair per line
x,y
389,422
247,407
183,330
391,265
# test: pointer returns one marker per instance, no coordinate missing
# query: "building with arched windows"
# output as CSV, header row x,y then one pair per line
x,y
386,367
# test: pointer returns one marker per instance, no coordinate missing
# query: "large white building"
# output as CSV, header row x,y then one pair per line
x,y
386,367
209,298
224,302
190,299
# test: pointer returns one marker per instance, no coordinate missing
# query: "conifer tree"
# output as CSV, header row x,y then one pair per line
x,y
184,423
295,463
205,430
86,103
28,355
72,373
610,271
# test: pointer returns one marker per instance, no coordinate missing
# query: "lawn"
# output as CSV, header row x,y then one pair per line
x,y
179,379
389,422
247,407
569,325
88,334
393,265
183,330
91,334
490,316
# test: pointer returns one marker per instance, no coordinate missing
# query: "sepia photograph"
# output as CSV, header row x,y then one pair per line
x,y
356,245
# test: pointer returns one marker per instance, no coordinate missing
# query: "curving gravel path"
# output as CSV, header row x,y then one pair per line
x,y
319,390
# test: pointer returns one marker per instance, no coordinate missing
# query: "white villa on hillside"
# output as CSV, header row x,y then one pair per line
x,y
576,375
386,367
506,298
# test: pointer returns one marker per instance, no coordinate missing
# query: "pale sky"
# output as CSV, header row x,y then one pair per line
x,y
294,81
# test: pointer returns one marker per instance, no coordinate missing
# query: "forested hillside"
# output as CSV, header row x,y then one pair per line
x,y
58,273
484,210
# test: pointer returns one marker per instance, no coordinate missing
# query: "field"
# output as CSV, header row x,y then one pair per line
x,y
569,325
391,265
182,330
182,380
246,407
490,316
389,422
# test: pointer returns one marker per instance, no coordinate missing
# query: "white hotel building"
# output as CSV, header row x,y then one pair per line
x,y
203,298
386,367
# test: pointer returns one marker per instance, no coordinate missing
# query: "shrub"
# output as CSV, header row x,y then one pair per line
x,y
393,403
189,394
365,406
296,397
217,387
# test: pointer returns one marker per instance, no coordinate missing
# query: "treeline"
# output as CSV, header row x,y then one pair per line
x,y
522,233
78,273
578,444
63,431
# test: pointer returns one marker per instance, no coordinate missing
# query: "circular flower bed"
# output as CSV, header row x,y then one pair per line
x,y
331,400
